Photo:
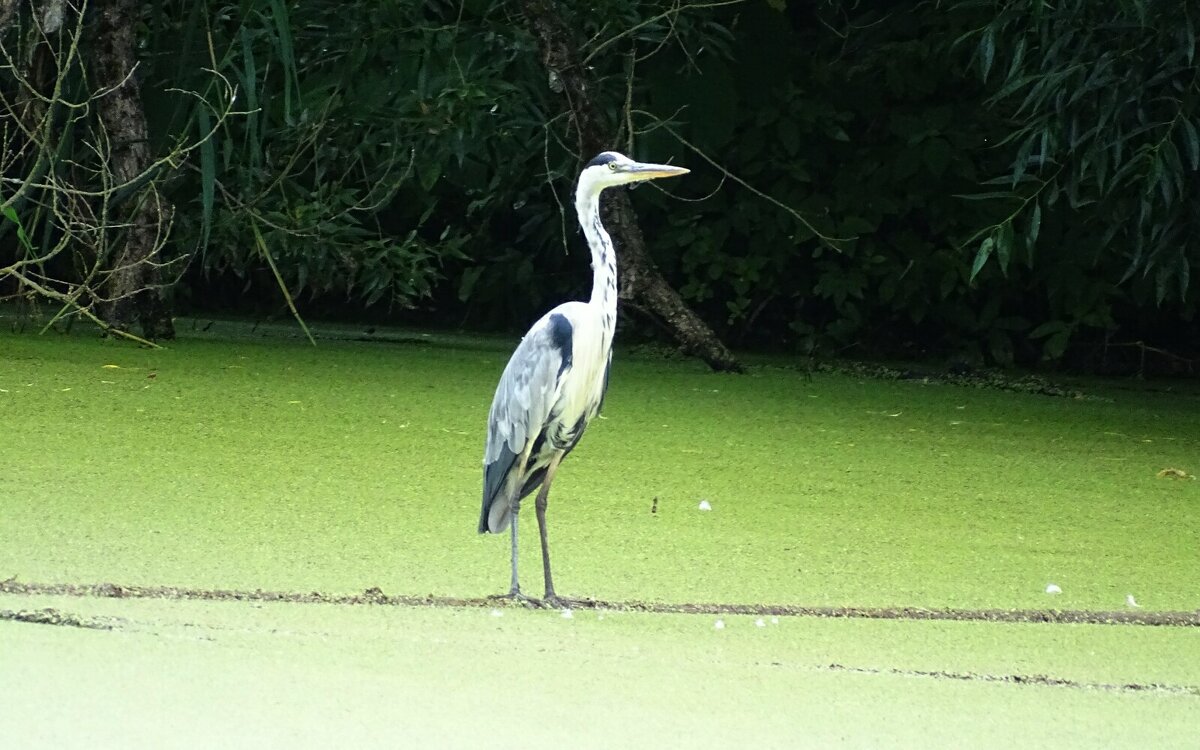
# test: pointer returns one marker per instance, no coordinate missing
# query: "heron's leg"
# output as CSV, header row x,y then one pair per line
x,y
515,590
517,480
540,506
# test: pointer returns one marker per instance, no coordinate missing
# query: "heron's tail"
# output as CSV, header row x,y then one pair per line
x,y
501,488
497,502
496,517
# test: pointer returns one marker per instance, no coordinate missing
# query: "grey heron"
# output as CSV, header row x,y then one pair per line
x,y
554,383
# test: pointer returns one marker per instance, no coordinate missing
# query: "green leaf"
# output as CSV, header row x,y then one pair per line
x,y
854,226
1155,172
1047,328
287,57
250,84
1022,159
1004,245
10,213
208,175
1054,346
1161,281
1189,38
1012,87
981,257
1018,57
986,196
837,133
429,173
1035,226
1188,128
467,283
987,50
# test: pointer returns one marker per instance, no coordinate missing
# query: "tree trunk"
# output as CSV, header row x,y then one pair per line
x,y
133,289
8,11
640,278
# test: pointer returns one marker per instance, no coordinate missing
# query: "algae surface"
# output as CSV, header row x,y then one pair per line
x,y
269,464
189,674
265,464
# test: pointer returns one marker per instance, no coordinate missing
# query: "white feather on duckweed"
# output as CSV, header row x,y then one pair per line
x,y
497,613
567,614
1053,588
719,625
774,620
1131,601
704,505
760,623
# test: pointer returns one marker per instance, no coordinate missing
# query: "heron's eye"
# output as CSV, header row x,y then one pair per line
x,y
612,165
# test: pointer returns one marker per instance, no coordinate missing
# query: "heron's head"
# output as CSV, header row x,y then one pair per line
x,y
610,169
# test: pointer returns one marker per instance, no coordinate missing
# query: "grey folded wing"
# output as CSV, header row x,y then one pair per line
x,y
521,408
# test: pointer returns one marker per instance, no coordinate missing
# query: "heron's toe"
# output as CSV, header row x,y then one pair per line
x,y
555,601
516,597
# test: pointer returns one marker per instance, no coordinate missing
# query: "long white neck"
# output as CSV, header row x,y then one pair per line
x,y
604,257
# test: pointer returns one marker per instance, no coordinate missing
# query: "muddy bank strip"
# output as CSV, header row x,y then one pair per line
x,y
375,596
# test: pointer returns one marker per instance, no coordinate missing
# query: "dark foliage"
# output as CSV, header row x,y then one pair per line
x,y
967,179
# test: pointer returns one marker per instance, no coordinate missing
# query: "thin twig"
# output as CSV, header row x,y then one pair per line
x,y
831,242
676,10
262,246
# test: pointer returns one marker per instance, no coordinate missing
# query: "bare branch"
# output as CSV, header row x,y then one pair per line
x,y
831,242
668,14
78,203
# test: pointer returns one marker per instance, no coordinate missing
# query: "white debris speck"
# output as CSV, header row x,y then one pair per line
x,y
567,614
760,623
704,505
774,620
1131,601
719,625
497,613
1053,589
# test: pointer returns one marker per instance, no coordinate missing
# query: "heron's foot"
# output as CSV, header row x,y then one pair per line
x,y
555,601
515,596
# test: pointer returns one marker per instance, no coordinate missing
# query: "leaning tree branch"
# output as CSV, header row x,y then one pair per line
x,y
641,279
